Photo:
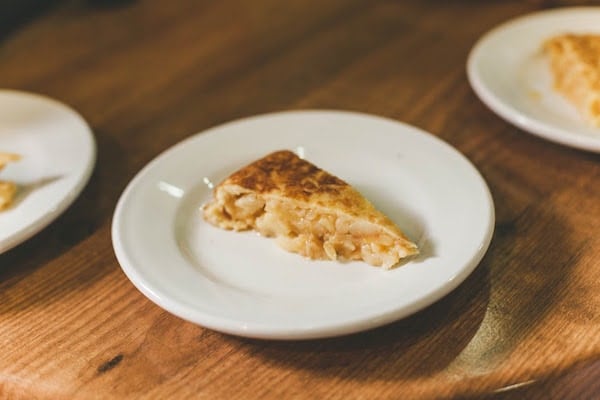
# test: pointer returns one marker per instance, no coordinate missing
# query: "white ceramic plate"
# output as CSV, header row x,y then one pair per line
x,y
509,73
58,154
244,284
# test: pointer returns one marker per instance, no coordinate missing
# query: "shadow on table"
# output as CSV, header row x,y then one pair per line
x,y
14,13
418,345
109,3
582,381
465,334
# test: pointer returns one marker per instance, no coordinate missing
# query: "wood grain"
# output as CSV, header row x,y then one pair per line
x,y
525,324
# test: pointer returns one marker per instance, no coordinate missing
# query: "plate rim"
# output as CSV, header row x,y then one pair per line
x,y
512,114
259,330
28,231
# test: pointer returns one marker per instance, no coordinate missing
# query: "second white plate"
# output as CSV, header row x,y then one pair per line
x,y
58,154
244,284
509,73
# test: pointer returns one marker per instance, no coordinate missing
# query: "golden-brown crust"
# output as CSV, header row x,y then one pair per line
x,y
575,65
585,46
284,174
7,189
289,175
7,193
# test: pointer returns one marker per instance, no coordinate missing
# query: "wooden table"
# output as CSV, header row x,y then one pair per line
x,y
147,74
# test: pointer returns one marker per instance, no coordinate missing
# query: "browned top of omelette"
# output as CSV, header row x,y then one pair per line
x,y
284,174
583,49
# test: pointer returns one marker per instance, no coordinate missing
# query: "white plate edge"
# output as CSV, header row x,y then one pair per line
x,y
513,115
265,331
28,232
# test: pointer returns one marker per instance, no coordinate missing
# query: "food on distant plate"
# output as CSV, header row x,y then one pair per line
x,y
7,189
308,211
575,65
7,193
5,158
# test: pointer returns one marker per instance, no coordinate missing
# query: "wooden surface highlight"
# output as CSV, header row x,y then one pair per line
x,y
525,324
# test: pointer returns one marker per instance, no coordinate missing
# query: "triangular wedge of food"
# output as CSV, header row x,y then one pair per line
x,y
7,189
308,211
575,65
